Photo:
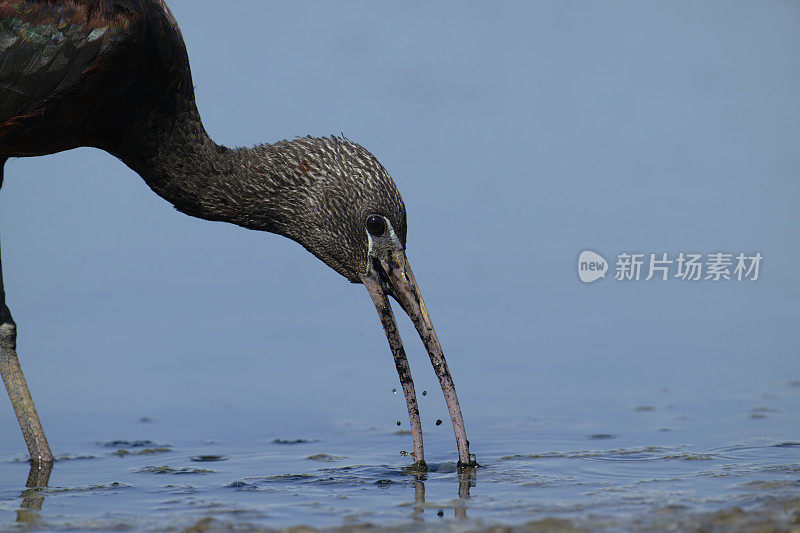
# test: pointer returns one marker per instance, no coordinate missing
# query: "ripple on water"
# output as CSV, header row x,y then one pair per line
x,y
129,444
353,476
283,478
88,488
242,485
122,452
324,458
646,453
770,485
67,457
207,458
164,469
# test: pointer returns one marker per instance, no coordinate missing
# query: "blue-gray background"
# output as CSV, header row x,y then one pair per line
x,y
519,134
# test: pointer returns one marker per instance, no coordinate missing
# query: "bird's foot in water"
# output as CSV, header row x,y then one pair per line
x,y
420,467
473,462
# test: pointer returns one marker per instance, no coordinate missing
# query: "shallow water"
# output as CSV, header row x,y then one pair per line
x,y
520,134
667,460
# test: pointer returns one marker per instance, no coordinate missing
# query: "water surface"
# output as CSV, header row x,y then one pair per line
x,y
666,462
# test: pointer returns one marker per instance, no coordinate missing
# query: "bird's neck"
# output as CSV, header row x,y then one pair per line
x,y
183,165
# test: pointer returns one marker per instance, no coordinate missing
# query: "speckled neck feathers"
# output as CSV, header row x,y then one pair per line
x,y
315,190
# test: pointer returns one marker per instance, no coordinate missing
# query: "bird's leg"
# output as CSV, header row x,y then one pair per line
x,y
17,387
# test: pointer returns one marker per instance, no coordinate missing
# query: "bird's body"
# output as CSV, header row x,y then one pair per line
x,y
114,74
97,72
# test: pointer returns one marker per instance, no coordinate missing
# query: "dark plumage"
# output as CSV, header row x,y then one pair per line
x,y
114,74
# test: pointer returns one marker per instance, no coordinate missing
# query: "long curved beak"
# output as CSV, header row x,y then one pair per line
x,y
389,274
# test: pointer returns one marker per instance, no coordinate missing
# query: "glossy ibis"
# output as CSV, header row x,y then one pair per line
x,y
114,74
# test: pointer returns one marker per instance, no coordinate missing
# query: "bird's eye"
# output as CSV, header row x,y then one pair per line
x,y
376,225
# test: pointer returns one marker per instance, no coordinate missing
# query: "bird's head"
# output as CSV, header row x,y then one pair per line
x,y
346,207
333,196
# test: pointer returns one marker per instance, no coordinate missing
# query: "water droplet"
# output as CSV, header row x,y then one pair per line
x,y
394,391
438,421
398,422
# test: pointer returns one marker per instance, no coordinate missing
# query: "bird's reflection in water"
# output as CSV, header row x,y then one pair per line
x,y
419,496
466,479
33,496
39,476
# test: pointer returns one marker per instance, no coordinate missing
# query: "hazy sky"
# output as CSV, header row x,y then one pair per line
x,y
519,133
